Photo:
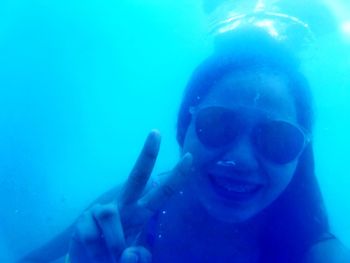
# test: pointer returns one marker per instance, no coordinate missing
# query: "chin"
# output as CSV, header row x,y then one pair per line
x,y
226,211
229,214
227,207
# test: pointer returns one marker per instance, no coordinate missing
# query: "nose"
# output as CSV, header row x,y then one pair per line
x,y
242,154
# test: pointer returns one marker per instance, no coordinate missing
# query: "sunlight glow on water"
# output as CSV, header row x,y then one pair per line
x,y
346,28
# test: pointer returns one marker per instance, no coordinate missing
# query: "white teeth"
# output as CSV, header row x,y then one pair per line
x,y
226,163
240,188
236,187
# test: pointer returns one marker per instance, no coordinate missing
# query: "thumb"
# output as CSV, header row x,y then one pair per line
x,y
136,254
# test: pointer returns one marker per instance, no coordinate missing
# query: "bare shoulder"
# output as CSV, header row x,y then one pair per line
x,y
328,251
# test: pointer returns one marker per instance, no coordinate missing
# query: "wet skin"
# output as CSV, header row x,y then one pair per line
x,y
206,211
217,211
206,207
237,193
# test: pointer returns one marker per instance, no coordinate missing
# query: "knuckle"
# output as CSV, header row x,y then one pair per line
x,y
151,153
86,231
137,176
106,213
88,236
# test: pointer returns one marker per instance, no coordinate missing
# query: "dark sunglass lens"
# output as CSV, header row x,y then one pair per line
x,y
278,141
215,126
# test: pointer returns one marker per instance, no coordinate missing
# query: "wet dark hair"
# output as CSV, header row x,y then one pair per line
x,y
297,219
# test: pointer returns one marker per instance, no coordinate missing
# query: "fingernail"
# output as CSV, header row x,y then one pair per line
x,y
187,158
155,131
186,162
152,144
155,135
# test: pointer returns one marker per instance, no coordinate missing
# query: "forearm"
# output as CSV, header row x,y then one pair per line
x,y
52,250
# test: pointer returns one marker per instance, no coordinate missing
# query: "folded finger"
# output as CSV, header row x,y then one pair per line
x,y
137,254
87,241
141,172
108,220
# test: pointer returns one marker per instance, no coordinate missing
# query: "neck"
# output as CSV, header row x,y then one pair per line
x,y
200,237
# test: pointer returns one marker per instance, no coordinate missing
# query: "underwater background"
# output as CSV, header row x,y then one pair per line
x,y
83,82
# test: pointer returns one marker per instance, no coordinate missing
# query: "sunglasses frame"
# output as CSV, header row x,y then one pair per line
x,y
306,134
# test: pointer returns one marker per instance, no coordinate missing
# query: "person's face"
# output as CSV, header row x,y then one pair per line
x,y
234,182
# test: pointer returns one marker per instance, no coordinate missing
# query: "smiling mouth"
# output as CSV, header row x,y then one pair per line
x,y
234,189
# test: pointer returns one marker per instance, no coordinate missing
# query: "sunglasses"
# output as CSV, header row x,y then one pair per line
x,y
277,141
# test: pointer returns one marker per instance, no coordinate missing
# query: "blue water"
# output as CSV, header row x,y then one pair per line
x,y
82,83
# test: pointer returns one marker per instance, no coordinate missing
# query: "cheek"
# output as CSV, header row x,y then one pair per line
x,y
279,177
192,145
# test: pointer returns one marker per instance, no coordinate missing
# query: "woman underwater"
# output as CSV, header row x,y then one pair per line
x,y
245,188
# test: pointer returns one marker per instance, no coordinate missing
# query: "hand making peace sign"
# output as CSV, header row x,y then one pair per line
x,y
109,233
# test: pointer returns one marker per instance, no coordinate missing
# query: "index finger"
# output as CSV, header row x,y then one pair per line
x,y
141,171
154,200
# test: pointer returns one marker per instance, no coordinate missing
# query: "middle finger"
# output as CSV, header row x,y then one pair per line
x,y
141,172
154,200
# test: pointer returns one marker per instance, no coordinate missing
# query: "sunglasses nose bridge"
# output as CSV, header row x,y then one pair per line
x,y
242,152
